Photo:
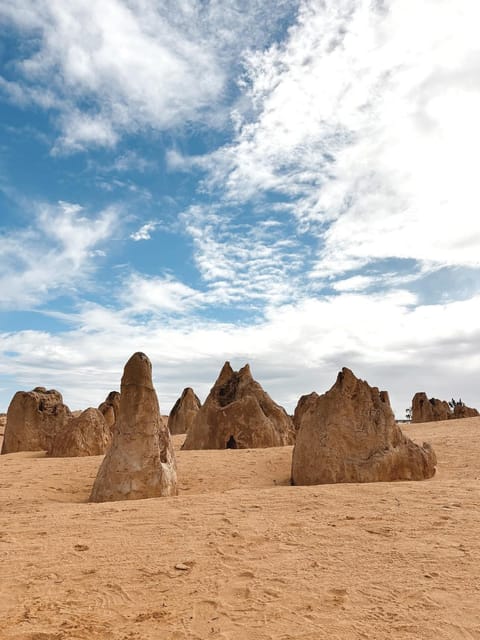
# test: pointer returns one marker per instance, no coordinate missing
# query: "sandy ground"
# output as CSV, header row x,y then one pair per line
x,y
258,558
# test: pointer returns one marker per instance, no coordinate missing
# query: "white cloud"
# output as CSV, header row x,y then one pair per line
x,y
121,66
142,294
242,262
144,232
55,254
296,349
366,119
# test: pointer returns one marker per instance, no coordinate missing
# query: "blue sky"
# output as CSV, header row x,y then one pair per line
x,y
291,183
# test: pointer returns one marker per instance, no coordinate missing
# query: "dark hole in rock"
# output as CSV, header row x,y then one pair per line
x,y
231,444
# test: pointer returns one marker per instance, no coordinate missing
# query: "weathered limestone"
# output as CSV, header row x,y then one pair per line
x,y
110,408
33,419
349,434
85,435
140,462
425,410
433,410
183,412
462,411
239,414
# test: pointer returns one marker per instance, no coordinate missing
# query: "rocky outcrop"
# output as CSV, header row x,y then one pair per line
x,y
33,419
425,410
349,434
140,462
85,435
184,411
110,407
462,411
433,410
239,414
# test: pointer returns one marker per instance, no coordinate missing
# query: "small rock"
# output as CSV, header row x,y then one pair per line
x,y
182,567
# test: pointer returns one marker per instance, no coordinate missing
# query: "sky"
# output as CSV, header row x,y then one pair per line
x,y
289,183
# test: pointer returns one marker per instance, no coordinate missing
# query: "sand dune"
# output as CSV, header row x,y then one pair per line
x,y
240,553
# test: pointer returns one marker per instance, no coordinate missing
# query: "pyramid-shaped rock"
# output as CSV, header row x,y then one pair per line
x,y
349,434
140,462
33,419
110,408
183,412
239,414
85,435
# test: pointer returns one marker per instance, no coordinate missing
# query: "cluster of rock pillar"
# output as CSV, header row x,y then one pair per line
x,y
348,434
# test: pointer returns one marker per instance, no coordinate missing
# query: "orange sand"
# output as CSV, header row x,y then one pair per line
x,y
258,558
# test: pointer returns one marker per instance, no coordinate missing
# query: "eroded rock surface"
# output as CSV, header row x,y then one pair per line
x,y
349,434
183,412
238,413
140,462
433,410
429,410
110,408
85,435
33,419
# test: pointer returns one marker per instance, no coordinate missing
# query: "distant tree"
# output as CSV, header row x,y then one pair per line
x,y
408,413
453,403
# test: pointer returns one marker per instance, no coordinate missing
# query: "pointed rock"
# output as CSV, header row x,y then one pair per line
x,y
85,435
184,411
239,414
140,462
33,419
349,434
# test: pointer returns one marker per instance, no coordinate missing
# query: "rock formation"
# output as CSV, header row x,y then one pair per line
x,y
110,407
140,462
349,434
184,411
33,419
238,414
462,411
432,410
425,410
85,435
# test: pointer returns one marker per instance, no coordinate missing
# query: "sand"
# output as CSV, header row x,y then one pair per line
x,y
240,554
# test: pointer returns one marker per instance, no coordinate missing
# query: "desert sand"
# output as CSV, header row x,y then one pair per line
x,y
240,553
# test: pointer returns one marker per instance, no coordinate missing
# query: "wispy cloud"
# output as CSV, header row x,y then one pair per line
x,y
55,254
247,262
114,67
365,120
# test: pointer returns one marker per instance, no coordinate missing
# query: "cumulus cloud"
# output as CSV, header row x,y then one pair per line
x,y
297,348
53,255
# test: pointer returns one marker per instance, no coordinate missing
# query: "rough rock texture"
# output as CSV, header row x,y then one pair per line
x,y
349,434
425,410
140,462
301,407
238,414
33,419
184,411
110,407
462,411
85,435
